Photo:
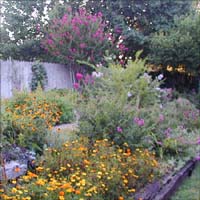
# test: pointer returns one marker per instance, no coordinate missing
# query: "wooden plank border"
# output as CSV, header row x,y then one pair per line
x,y
164,188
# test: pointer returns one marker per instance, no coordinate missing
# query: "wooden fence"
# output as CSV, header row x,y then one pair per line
x,y
17,75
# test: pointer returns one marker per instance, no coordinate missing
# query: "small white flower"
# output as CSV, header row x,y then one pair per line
x,y
146,75
160,77
97,74
129,94
94,74
99,65
161,106
120,56
158,89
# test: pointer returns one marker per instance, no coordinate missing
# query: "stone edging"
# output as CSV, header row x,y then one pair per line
x,y
164,188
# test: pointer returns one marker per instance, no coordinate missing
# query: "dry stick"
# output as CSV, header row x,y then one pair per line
x,y
4,176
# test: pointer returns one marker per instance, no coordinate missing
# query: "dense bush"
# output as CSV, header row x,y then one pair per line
x,y
79,170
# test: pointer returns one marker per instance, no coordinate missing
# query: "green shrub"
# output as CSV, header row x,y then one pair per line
x,y
114,100
39,76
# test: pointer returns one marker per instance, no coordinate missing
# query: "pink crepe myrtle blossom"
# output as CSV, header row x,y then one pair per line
x,y
50,42
79,35
119,129
79,76
82,45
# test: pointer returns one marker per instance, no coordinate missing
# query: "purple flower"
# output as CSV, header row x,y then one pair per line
x,y
119,129
138,121
160,77
50,42
141,122
82,45
198,141
197,158
160,143
161,118
38,27
79,76
167,132
76,85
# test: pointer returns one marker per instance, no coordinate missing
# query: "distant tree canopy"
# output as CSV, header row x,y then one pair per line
x,y
180,45
20,38
134,19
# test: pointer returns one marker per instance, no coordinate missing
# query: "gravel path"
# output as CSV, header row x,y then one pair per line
x,y
70,127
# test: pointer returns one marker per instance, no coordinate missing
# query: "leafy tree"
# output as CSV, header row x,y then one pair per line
x,y
136,20
179,46
20,29
80,37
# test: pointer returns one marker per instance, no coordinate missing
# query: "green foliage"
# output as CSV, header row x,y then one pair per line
x,y
18,19
125,105
178,46
39,76
114,100
176,133
136,20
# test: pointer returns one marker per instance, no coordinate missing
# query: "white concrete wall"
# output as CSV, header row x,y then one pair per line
x,y
16,75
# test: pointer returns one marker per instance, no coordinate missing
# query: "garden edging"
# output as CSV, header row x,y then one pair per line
x,y
164,188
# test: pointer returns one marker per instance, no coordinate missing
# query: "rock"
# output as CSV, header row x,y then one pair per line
x,y
65,127
16,161
13,169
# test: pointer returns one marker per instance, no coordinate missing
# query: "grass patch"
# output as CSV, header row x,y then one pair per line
x,y
190,189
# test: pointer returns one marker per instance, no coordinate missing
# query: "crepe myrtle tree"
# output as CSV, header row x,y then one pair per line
x,y
81,36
